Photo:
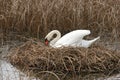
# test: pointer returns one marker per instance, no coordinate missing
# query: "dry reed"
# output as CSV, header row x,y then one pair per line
x,y
38,17
34,56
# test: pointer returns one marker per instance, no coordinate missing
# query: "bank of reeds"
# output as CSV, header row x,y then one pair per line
x,y
38,17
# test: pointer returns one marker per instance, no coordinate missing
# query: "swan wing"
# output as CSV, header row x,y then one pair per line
x,y
72,38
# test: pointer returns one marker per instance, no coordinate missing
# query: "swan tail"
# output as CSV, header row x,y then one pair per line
x,y
88,43
93,40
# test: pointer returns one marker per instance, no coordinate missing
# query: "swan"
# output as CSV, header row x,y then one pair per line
x,y
73,39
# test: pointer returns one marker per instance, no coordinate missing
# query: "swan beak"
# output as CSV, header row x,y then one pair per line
x,y
46,42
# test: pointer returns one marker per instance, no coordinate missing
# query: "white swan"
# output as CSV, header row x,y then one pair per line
x,y
73,39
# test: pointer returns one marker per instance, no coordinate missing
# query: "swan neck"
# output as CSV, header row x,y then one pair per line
x,y
56,38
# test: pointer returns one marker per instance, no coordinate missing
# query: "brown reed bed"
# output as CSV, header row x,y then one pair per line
x,y
34,56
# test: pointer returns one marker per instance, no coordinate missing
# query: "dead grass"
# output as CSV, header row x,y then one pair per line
x,y
35,57
38,17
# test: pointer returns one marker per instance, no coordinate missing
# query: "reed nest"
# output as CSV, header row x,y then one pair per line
x,y
36,57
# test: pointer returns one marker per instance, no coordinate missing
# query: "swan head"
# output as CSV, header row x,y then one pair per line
x,y
46,42
52,37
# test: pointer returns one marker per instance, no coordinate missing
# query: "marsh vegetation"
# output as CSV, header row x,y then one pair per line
x,y
23,20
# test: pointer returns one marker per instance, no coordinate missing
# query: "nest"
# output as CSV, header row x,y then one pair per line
x,y
37,57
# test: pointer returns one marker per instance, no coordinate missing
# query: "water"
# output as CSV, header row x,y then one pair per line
x,y
8,72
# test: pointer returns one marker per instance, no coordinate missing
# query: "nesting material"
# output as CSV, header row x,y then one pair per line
x,y
37,57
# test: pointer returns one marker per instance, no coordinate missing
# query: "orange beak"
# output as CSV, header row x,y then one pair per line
x,y
46,42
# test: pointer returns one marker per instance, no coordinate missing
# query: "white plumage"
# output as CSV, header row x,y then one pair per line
x,y
73,39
